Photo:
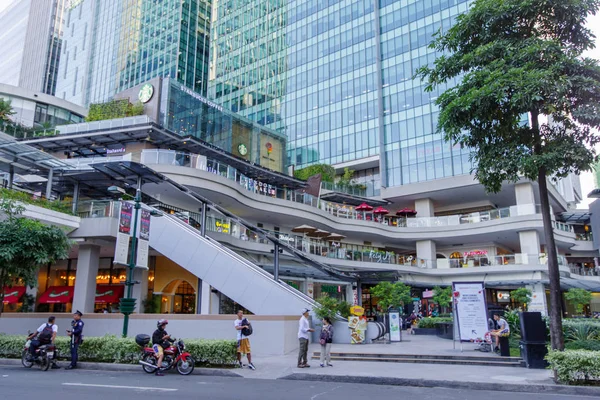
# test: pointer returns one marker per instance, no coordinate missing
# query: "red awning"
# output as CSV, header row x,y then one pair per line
x,y
13,294
58,294
109,293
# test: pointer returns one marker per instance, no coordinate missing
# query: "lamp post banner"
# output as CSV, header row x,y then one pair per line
x,y
124,232
143,247
471,310
145,225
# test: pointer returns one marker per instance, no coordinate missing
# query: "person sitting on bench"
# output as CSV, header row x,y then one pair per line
x,y
504,330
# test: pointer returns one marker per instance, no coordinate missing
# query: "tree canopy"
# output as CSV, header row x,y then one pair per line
x,y
6,110
578,298
516,61
388,294
25,244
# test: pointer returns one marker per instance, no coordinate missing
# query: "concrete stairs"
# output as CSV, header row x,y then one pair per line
x,y
490,361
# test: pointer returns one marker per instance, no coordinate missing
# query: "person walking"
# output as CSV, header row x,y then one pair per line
x,y
303,330
326,339
76,335
242,325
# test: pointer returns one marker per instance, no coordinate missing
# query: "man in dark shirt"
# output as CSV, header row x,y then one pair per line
x,y
76,335
160,340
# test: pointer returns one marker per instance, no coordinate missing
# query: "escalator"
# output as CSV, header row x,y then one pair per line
x,y
231,274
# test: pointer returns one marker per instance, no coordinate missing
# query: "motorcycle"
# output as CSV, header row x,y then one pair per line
x,y
175,356
45,354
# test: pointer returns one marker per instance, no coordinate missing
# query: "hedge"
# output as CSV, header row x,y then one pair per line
x,y
113,349
583,345
431,322
575,367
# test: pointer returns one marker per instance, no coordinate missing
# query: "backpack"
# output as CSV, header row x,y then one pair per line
x,y
246,331
45,336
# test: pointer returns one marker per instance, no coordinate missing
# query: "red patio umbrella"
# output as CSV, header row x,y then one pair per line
x,y
380,210
405,212
364,207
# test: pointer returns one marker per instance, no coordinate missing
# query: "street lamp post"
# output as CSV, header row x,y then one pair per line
x,y
127,304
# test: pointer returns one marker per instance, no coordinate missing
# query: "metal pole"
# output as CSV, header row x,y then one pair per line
x,y
203,222
11,176
276,263
75,197
129,302
49,184
359,292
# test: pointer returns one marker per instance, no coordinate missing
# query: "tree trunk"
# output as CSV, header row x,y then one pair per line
x,y
556,332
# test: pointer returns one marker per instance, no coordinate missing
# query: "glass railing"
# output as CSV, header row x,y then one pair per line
x,y
586,236
583,271
333,250
561,226
170,157
353,189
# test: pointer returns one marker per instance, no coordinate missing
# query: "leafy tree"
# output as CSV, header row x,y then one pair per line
x,y
326,307
6,111
395,294
25,244
578,298
513,59
327,172
521,296
442,297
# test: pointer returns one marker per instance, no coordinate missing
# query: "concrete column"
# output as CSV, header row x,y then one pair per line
x,y
525,197
49,184
205,298
140,290
75,199
85,278
424,208
530,247
426,250
215,302
538,298
349,294
32,291
11,176
310,291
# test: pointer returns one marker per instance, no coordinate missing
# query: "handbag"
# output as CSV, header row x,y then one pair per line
x,y
322,341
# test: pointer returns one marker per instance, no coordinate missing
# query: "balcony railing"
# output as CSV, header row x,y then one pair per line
x,y
170,157
583,271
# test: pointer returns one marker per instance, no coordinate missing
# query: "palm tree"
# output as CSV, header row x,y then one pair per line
x,y
6,110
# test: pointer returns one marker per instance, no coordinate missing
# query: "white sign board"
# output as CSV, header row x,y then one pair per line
x,y
538,299
471,310
395,326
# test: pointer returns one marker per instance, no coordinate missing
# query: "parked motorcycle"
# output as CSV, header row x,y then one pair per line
x,y
45,354
175,356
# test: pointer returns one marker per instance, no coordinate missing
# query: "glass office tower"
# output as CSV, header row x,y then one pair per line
x,y
113,45
336,78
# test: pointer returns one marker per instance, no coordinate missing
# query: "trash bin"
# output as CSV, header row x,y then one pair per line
x,y
504,346
533,344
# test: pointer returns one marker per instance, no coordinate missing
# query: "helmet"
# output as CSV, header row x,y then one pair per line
x,y
161,322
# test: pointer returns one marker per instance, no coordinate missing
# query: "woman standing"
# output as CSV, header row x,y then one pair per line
x,y
326,339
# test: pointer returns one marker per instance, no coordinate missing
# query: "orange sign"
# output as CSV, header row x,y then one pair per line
x,y
357,310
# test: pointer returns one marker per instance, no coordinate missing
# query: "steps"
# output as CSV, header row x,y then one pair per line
x,y
427,359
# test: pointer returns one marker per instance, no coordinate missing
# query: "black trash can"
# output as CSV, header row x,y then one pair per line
x,y
533,344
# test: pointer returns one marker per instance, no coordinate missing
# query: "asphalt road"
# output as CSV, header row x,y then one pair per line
x,y
19,383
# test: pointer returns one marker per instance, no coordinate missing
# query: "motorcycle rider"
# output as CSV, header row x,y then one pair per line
x,y
45,334
160,340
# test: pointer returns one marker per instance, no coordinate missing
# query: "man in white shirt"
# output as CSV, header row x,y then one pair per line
x,y
243,343
45,334
504,330
303,330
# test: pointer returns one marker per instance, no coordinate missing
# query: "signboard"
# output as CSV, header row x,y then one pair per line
x,y
358,329
395,323
143,247
428,294
122,245
538,299
145,93
115,151
222,227
471,310
357,310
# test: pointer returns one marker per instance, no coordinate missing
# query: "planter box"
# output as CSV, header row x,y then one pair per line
x,y
424,331
444,330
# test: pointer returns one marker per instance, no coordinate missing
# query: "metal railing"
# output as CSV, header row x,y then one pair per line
x,y
583,271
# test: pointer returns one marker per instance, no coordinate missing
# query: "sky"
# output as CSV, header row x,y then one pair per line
x,y
587,178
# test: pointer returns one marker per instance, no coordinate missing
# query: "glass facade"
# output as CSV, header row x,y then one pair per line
x,y
335,76
187,113
130,42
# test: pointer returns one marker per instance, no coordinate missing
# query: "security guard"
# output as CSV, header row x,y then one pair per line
x,y
76,335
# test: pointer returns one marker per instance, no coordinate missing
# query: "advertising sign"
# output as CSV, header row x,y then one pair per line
x,y
122,246
471,310
395,322
143,247
538,299
358,329
145,225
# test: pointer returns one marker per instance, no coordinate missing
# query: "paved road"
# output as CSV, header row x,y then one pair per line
x,y
19,383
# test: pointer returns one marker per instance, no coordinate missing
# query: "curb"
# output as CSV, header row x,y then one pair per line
x,y
88,366
430,383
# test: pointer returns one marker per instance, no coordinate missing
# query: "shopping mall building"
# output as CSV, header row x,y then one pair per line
x,y
237,231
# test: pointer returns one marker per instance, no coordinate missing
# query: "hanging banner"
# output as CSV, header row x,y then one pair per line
x,y
358,329
395,322
143,247
122,245
471,310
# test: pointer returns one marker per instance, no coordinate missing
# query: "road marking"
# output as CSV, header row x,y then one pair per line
x,y
121,387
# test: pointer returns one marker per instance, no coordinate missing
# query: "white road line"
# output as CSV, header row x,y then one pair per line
x,y
121,387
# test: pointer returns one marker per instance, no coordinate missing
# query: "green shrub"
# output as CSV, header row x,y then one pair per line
x,y
431,322
577,329
54,205
575,366
327,172
593,345
112,349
